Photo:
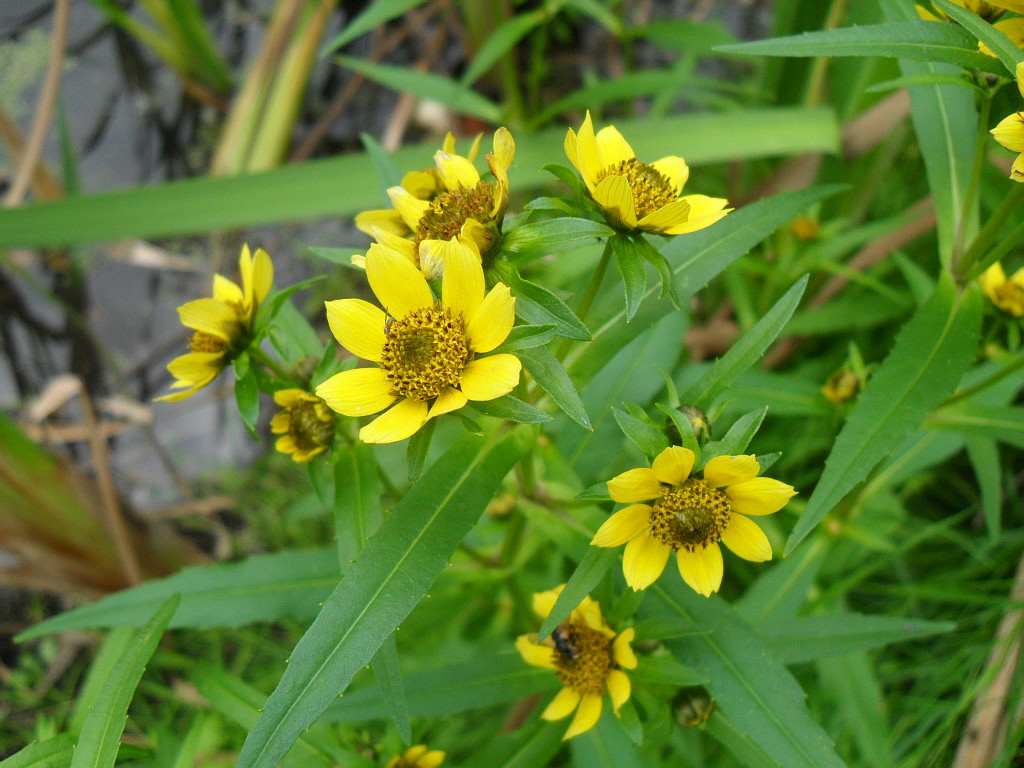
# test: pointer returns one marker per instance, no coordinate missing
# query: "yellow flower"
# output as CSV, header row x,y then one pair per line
x,y
417,757
466,208
222,324
1010,133
588,658
690,516
1007,294
306,424
428,353
636,195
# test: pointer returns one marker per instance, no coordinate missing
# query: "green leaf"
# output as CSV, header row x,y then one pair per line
x,y
539,306
920,40
342,256
649,439
738,741
851,682
588,574
745,352
552,234
782,590
269,308
512,409
525,747
102,727
388,174
527,337
389,682
924,366
356,502
984,458
606,745
376,14
745,680
113,648
683,428
737,438
385,583
426,85
1004,423
994,38
665,670
419,446
52,753
633,271
259,588
552,378
293,337
794,639
501,41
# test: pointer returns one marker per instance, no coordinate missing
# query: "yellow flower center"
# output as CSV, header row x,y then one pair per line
x,y
424,352
582,657
207,342
447,213
311,425
691,515
650,187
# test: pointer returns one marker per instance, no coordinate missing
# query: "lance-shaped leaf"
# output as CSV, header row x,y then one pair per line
x,y
52,753
539,306
994,38
633,271
930,356
552,378
554,233
385,583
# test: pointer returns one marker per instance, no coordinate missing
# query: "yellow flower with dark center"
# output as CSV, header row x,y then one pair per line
x,y
222,324
306,424
1005,293
637,195
417,757
690,516
429,353
588,657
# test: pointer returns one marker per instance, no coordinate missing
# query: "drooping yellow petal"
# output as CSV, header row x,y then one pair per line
x,y
640,484
358,326
618,687
704,211
643,561
614,195
504,153
612,147
209,316
668,217
622,651
196,367
492,321
533,654
673,465
562,705
674,169
726,470
398,423
760,496
449,400
358,392
701,569
456,171
227,291
624,526
383,219
746,539
462,287
260,279
409,207
398,285
590,611
487,378
1010,132
587,715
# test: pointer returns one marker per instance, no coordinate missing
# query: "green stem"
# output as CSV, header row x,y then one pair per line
x,y
591,293
270,364
983,243
985,384
972,187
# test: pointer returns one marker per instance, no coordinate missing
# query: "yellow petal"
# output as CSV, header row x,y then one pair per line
x,y
624,526
449,400
746,539
432,759
588,160
701,569
572,151
260,278
395,242
760,496
398,285
643,561
635,485
196,367
474,148
1017,169
618,687
227,291
489,377
462,288
1010,132
992,279
704,211
726,470
543,602
480,236
612,147
280,423
358,392
674,169
209,316
590,612
614,195
533,654
412,754
425,185
410,208
666,218
358,326
285,444
622,651
492,321
562,705
456,171
587,715
402,421
289,397
504,154
385,220
673,465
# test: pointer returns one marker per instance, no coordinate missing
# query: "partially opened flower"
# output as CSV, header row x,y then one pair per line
x,y
1006,293
690,516
417,757
588,657
305,423
429,355
222,324
637,195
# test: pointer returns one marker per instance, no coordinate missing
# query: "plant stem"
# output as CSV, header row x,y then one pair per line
x,y
972,187
978,253
270,364
591,293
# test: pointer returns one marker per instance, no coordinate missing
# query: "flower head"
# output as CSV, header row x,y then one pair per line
x,y
428,353
417,757
690,516
306,424
1010,131
588,657
1006,293
448,202
636,195
222,324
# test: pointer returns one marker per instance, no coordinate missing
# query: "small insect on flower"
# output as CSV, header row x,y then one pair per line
x,y
562,637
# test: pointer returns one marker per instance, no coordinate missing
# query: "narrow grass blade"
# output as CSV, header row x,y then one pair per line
x,y
930,356
101,730
385,583
52,753
500,42
376,13
112,649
